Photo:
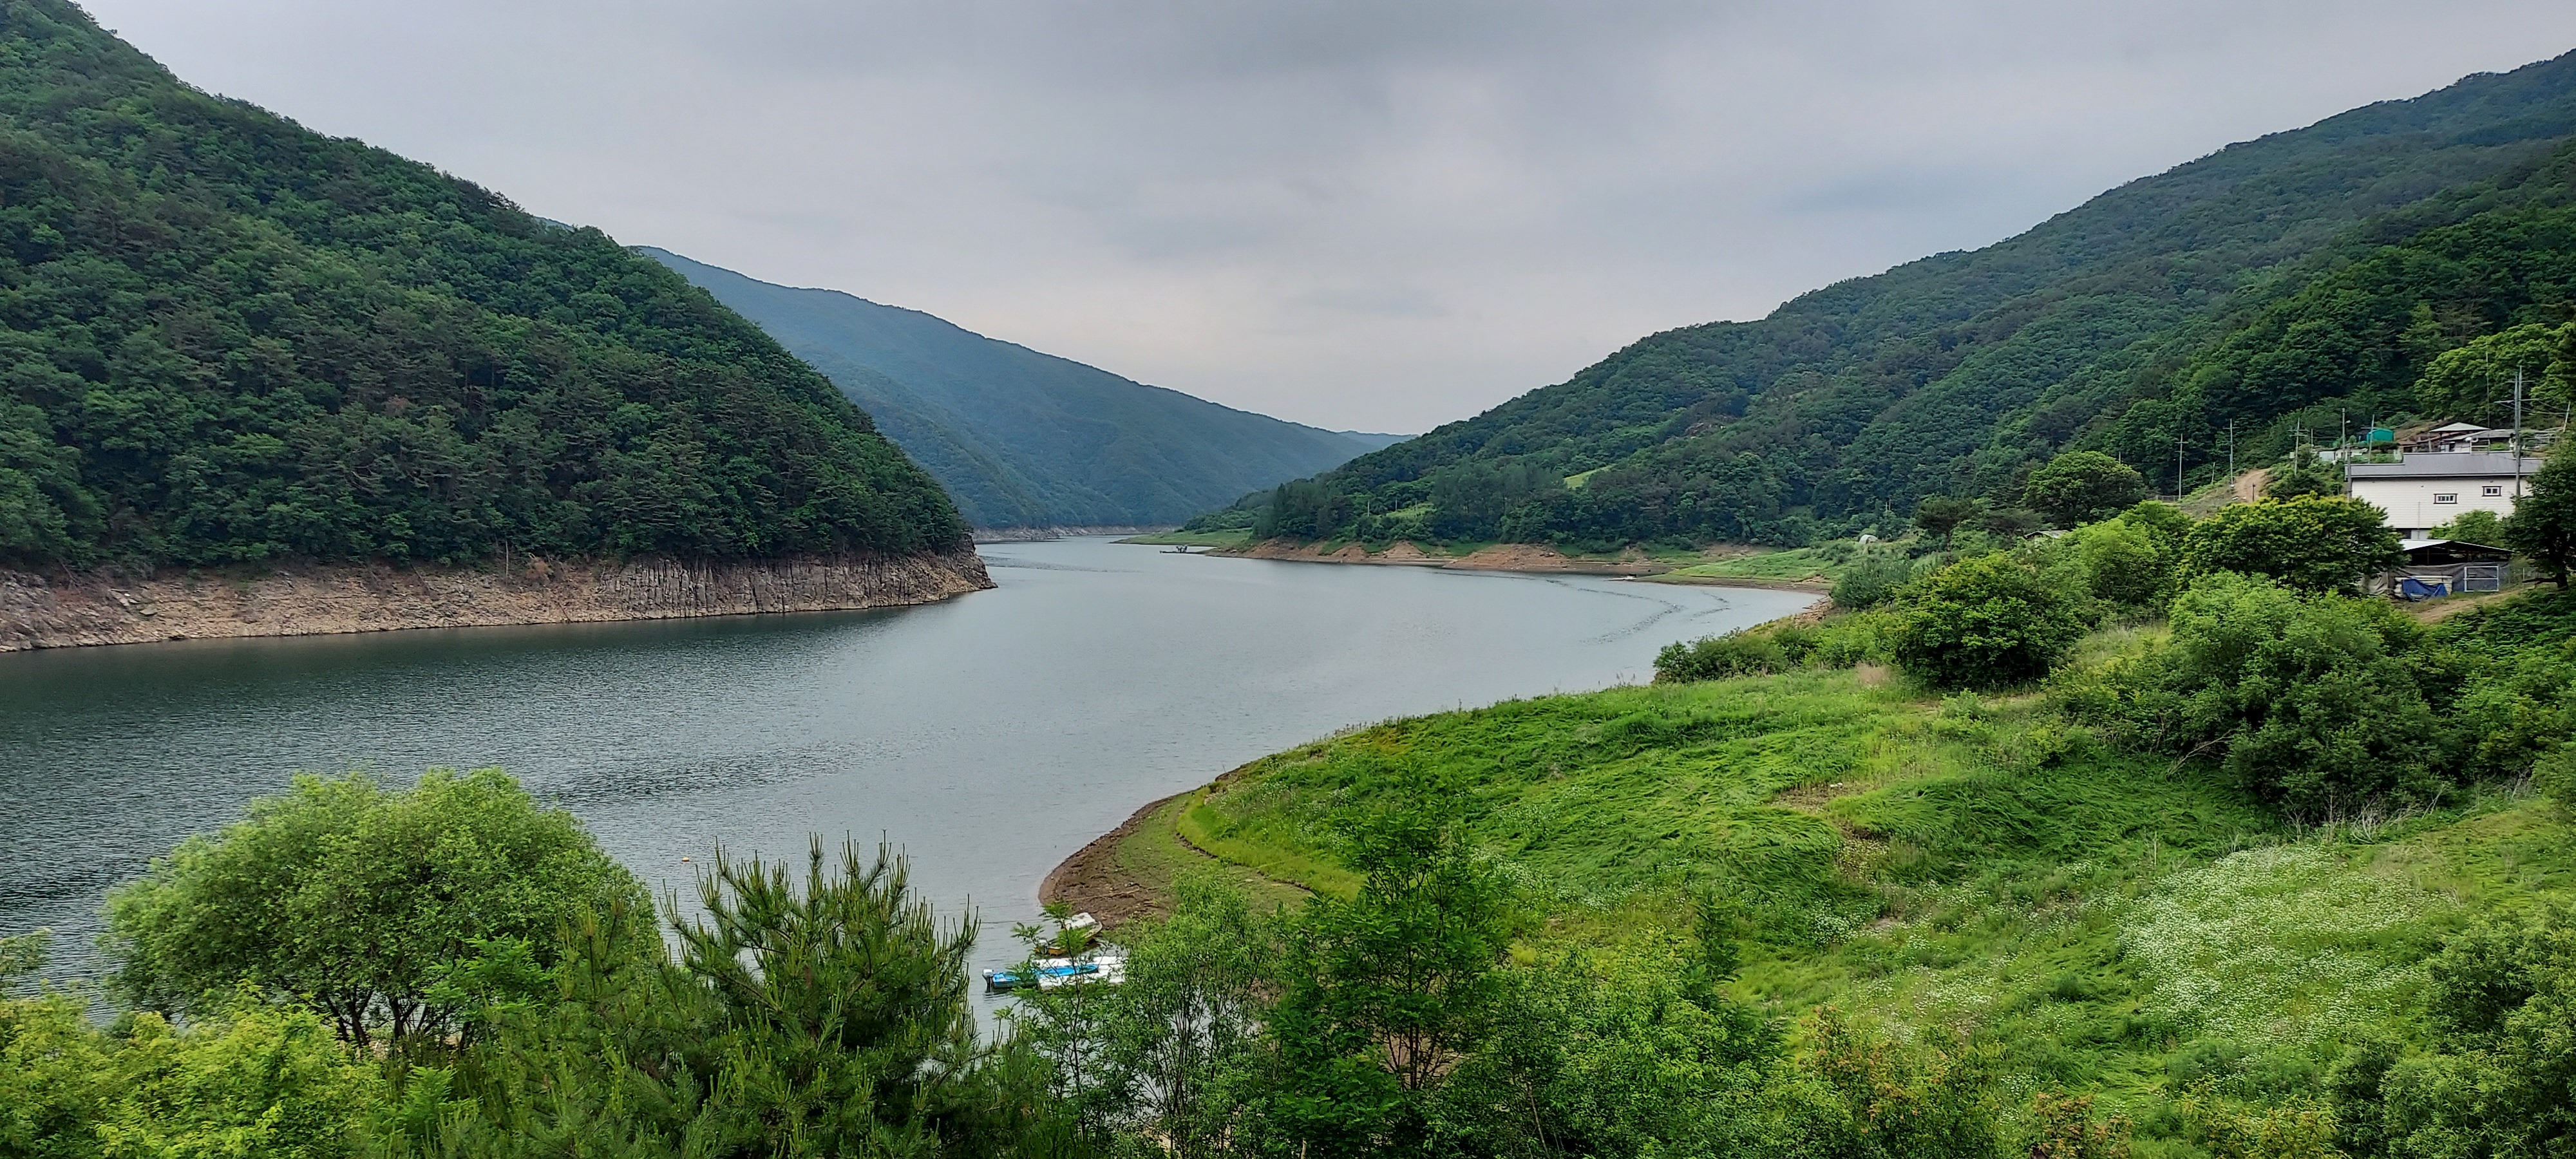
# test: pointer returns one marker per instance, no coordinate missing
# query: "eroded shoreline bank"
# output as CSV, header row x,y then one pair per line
x,y
1511,557
69,610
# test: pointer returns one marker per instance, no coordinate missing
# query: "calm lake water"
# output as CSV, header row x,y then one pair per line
x,y
989,736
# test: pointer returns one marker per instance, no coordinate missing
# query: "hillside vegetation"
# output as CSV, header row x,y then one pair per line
x,y
2296,281
2156,838
1020,438
228,338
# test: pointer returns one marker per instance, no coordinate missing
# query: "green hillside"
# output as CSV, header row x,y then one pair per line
x,y
1024,439
2169,307
228,338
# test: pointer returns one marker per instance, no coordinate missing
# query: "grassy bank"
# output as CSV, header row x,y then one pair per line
x,y
2108,923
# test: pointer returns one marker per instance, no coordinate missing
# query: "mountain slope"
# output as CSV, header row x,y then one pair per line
x,y
1022,438
1955,373
227,338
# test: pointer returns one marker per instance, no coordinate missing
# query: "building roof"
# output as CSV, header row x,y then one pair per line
x,y
2445,465
2439,551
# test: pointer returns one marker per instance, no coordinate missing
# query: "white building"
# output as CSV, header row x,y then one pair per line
x,y
2420,492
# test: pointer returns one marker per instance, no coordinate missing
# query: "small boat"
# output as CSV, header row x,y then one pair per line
x,y
1071,938
1050,973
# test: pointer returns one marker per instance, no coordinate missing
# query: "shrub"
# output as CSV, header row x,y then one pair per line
x,y
2484,528
1870,582
1744,652
2123,563
2505,1084
2304,474
2308,699
2081,487
1985,623
2314,543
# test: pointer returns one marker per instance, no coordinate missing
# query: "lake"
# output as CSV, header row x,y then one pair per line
x,y
990,736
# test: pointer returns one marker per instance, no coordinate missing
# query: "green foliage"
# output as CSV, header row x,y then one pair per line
x,y
1942,514
2544,522
2312,543
1986,622
826,1016
1384,992
2504,997
2307,699
1021,438
23,955
245,1080
2081,487
2268,287
2481,527
1884,1104
1871,581
2128,562
2305,473
2473,381
1743,652
232,339
360,901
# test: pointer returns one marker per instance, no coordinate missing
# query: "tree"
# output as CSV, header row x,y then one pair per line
x,y
356,899
1985,623
2543,527
1381,995
2124,563
2474,381
2304,474
1942,514
2312,543
2083,486
2485,528
803,1016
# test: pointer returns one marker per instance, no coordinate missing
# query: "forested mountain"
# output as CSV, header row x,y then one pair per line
x,y
2276,283
227,338
1020,438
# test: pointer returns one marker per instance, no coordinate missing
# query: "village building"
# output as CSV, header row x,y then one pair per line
x,y
2422,491
2444,567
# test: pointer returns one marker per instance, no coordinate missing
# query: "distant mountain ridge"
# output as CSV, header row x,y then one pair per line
x,y
2159,316
1018,437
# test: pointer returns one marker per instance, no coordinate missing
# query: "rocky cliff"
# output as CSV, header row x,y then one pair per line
x,y
71,609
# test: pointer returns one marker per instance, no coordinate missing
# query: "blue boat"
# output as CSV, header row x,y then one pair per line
x,y
1049,975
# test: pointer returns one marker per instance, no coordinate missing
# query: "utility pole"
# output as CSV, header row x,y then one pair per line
x,y
2515,444
2231,448
2177,463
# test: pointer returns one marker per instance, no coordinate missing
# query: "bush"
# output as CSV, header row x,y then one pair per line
x,y
2484,528
2082,487
1744,652
2314,543
2505,997
2308,699
2123,564
1870,582
1985,623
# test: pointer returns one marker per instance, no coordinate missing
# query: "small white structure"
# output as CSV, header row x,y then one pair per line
x,y
2420,492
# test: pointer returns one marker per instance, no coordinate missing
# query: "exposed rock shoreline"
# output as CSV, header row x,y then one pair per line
x,y
1405,553
73,609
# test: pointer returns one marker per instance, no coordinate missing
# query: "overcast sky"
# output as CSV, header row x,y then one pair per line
x,y
1354,213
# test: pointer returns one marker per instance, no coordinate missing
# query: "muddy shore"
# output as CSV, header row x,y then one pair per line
x,y
1519,557
71,609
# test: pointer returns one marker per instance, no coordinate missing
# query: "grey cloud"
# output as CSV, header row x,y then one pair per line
x,y
1362,215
